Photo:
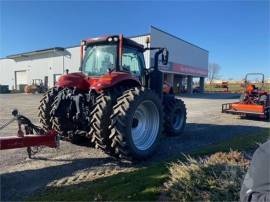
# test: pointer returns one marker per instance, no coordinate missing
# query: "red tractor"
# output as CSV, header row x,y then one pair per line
x,y
114,101
254,101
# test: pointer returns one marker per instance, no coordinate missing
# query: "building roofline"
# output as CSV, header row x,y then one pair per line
x,y
140,35
73,46
179,38
27,54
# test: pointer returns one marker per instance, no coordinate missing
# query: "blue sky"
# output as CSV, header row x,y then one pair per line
x,y
236,33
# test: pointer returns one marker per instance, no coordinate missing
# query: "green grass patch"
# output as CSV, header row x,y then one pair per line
x,y
144,183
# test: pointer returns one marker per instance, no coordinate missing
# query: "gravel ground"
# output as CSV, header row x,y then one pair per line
x,y
72,164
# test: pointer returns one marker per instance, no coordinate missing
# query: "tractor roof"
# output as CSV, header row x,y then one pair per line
x,y
105,39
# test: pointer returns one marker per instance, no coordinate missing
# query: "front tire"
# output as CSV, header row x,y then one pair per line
x,y
175,116
137,123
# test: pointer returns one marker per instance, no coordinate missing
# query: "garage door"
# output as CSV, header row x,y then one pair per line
x,y
21,79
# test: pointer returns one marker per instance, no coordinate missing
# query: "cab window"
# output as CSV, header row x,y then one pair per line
x,y
99,59
132,61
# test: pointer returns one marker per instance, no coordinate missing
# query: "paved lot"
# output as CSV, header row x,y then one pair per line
x,y
72,164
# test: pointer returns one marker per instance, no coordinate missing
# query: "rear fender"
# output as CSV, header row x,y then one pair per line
x,y
74,80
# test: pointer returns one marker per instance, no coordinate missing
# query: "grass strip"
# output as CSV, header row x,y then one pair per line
x,y
143,184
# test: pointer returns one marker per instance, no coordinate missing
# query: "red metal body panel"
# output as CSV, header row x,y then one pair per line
x,y
78,80
248,107
120,49
13,142
83,82
110,80
97,39
81,54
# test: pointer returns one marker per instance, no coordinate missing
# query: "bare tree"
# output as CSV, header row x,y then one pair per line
x,y
213,71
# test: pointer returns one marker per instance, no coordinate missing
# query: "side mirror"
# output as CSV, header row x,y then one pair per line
x,y
165,56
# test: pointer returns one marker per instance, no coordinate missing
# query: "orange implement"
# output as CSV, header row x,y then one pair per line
x,y
239,108
248,107
253,102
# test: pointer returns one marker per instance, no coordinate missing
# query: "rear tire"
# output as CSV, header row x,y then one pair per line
x,y
137,123
175,116
100,122
45,108
61,124
100,118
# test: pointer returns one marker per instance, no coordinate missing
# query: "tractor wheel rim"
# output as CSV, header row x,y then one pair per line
x,y
177,119
145,125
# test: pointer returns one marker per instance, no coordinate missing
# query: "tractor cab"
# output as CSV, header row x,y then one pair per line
x,y
114,60
120,59
107,62
113,53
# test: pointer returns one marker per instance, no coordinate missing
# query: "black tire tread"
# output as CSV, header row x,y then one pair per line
x,y
168,110
100,118
45,108
99,123
59,124
119,119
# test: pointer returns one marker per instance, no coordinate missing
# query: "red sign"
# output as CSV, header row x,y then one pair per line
x,y
186,69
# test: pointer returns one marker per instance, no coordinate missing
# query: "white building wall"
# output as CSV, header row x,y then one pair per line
x,y
72,62
142,40
39,66
181,53
7,75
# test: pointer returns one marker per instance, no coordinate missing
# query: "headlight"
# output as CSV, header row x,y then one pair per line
x,y
110,39
115,39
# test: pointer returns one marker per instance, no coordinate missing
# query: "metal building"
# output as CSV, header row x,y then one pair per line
x,y
186,61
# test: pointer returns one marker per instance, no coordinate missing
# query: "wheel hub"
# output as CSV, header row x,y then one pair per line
x,y
145,125
177,120
135,122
